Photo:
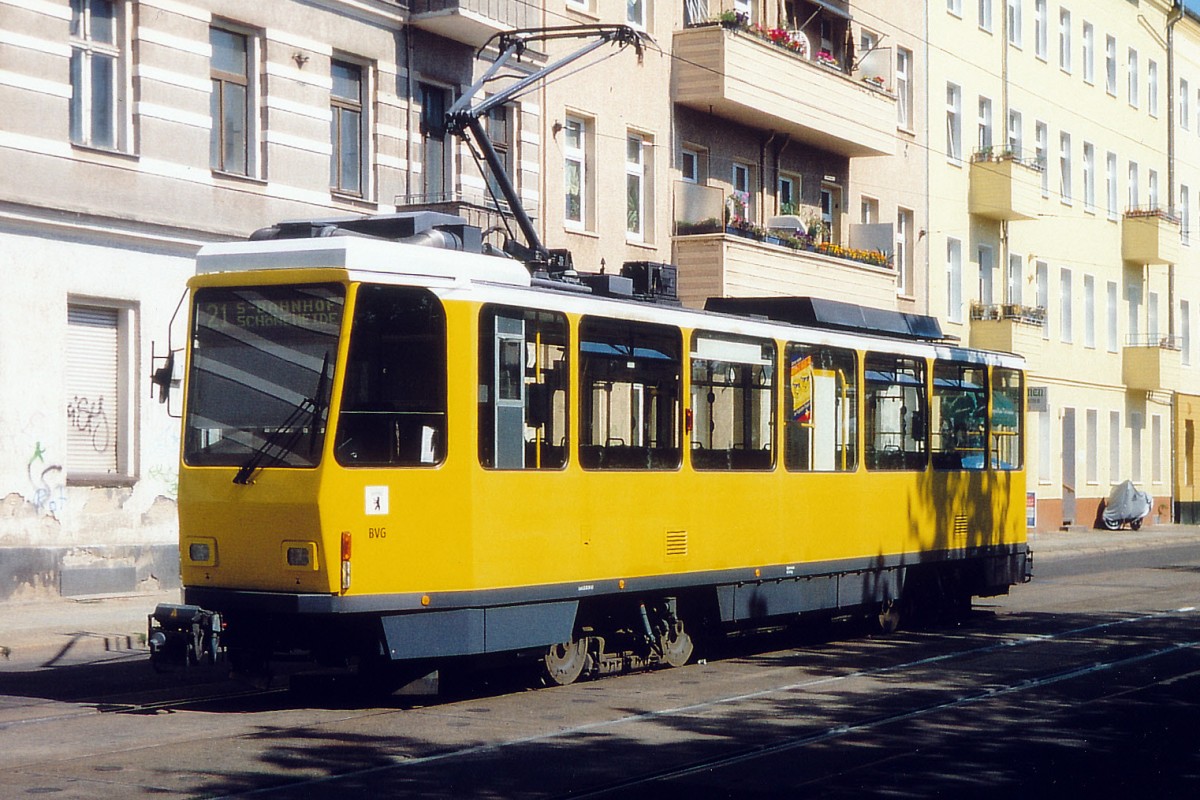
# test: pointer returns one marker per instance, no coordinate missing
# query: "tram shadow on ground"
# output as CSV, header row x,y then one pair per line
x,y
1031,702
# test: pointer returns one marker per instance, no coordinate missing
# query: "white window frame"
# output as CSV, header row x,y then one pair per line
x,y
954,7
1112,190
1185,214
904,89
1152,188
985,15
1066,324
1114,447
1014,278
1064,40
1065,168
87,51
954,122
1110,65
985,135
636,13
789,185
1041,137
985,256
1089,311
1041,22
954,300
1135,194
637,148
1089,53
1041,279
87,416
1133,80
1152,87
1089,177
904,255
1184,101
575,152
1113,315
1015,33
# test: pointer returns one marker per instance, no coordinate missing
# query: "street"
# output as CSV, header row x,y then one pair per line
x,y
1086,680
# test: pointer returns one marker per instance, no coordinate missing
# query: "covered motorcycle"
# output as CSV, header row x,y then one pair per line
x,y
1126,504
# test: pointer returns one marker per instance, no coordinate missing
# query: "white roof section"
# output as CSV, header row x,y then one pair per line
x,y
368,259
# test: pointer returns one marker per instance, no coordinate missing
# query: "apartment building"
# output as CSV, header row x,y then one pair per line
x,y
133,133
1062,217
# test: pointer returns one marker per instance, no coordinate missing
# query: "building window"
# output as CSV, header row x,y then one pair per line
x,y
635,187
1016,134
435,153
1135,449
229,145
1184,111
689,165
1092,434
635,13
575,173
1041,135
1065,322
1133,80
1113,339
1064,40
1041,276
954,7
1134,193
1156,429
985,123
1185,213
1110,184
346,167
96,81
985,15
953,122
742,199
1040,34
1089,177
1114,446
1089,311
1152,87
98,391
1110,65
788,198
904,254
1014,22
499,128
1089,53
1185,331
1013,281
904,88
954,280
1064,167
987,268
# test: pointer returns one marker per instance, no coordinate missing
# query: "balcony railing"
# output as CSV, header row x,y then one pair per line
x,y
1153,340
1027,315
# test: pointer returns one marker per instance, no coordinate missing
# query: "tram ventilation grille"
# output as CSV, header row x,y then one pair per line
x,y
677,544
961,526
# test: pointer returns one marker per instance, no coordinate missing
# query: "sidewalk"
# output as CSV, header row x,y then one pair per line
x,y
45,632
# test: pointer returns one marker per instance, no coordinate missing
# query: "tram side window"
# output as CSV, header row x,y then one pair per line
x,y
959,416
1008,412
733,383
522,389
394,399
822,405
895,414
629,398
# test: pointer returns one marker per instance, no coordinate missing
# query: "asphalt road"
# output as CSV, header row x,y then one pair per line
x,y
1085,682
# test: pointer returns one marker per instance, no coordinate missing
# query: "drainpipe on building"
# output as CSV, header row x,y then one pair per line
x,y
1173,16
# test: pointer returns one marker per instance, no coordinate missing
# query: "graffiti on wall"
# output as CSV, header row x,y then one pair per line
x,y
88,417
48,482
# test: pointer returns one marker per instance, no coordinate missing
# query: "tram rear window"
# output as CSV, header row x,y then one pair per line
x,y
394,398
523,381
1008,413
630,393
959,416
261,371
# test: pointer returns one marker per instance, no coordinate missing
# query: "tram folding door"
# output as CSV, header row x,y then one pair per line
x,y
509,364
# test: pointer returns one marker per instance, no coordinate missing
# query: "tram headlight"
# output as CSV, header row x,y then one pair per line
x,y
300,555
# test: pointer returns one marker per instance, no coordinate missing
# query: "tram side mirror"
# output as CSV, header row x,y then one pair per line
x,y
163,378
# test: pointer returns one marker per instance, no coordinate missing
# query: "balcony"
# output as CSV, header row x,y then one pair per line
x,y
743,259
1151,363
1004,185
471,22
1150,236
739,76
1009,328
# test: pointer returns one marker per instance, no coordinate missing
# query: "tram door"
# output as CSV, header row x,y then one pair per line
x,y
509,364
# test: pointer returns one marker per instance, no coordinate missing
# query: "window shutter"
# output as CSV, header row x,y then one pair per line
x,y
91,390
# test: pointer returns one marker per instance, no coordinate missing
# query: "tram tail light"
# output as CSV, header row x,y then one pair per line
x,y
345,560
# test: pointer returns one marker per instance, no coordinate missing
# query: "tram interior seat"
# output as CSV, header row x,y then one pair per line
x,y
386,437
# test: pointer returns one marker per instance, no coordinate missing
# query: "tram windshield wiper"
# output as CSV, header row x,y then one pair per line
x,y
283,439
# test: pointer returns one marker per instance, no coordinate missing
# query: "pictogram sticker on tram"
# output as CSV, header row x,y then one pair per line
x,y
376,500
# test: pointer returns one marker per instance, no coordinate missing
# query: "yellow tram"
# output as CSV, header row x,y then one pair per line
x,y
394,454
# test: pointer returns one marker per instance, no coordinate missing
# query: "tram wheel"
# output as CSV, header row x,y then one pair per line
x,y
677,645
564,663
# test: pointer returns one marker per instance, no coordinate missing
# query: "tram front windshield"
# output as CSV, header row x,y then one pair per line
x,y
261,371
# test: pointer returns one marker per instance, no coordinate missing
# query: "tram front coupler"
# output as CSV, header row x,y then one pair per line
x,y
183,636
